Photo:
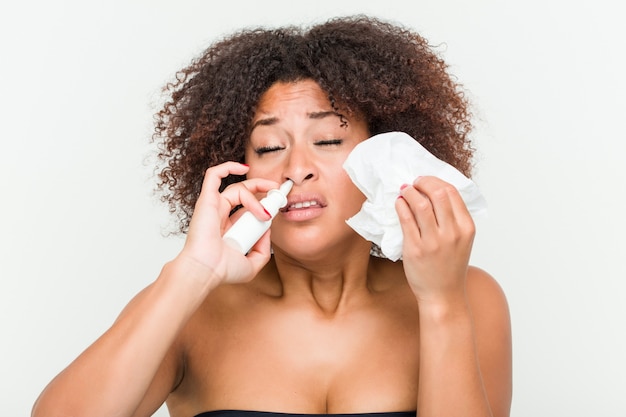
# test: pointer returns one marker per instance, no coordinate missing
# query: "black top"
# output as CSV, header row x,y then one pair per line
x,y
247,413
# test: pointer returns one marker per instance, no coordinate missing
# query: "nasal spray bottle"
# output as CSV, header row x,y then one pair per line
x,y
247,230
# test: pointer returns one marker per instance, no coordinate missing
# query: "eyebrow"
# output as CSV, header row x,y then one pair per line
x,y
316,115
322,114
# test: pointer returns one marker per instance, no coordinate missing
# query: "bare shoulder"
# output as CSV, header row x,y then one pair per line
x,y
484,291
210,343
492,326
489,305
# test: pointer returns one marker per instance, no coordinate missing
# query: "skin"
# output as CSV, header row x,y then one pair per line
x,y
320,326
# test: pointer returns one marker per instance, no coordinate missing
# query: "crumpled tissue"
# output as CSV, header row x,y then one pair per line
x,y
378,166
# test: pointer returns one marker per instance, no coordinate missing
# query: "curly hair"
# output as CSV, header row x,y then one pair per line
x,y
383,71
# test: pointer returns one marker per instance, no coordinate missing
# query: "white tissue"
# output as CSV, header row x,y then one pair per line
x,y
378,166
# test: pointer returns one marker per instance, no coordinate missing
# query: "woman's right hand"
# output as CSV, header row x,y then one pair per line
x,y
204,246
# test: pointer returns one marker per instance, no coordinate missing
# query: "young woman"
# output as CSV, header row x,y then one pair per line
x,y
308,322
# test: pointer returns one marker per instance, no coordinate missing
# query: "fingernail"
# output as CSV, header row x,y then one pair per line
x,y
403,186
246,165
268,213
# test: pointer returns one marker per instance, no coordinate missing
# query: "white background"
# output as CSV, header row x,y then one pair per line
x,y
81,232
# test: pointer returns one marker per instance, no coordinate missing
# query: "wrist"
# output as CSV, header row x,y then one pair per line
x,y
189,274
443,309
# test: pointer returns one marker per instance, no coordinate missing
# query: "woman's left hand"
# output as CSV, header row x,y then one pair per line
x,y
438,235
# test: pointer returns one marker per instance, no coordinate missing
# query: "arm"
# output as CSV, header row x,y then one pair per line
x,y
133,366
465,346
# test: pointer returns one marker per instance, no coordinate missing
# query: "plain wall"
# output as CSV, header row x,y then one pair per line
x,y
82,232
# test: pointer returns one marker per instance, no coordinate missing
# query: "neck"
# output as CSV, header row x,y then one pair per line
x,y
330,283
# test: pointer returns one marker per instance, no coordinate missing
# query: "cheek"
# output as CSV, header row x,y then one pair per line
x,y
260,170
252,172
355,198
358,198
264,172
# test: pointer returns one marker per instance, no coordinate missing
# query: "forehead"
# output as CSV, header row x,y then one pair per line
x,y
299,97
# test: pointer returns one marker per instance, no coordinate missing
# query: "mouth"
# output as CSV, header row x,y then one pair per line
x,y
303,203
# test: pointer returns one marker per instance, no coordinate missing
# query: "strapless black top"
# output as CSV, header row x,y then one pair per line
x,y
247,413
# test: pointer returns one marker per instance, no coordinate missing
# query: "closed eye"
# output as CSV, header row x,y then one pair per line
x,y
267,149
329,142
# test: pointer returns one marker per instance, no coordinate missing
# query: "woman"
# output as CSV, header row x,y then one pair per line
x,y
308,322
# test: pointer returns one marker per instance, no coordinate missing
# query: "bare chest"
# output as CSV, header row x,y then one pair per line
x,y
293,360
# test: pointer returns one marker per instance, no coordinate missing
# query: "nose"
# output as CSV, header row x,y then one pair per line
x,y
300,167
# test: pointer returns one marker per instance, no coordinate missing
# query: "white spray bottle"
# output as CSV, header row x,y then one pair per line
x,y
247,230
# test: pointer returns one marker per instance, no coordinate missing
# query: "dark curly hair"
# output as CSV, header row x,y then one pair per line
x,y
387,73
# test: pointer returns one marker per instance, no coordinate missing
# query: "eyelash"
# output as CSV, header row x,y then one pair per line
x,y
267,149
329,142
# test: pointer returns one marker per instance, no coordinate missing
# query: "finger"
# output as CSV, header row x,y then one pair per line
x,y
260,253
245,192
442,196
408,224
210,190
421,208
452,214
213,176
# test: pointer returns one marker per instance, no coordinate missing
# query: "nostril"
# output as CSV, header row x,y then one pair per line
x,y
308,177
